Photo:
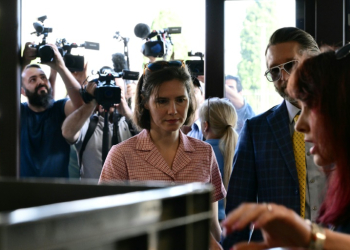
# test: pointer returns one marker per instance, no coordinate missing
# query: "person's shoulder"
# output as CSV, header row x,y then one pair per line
x,y
196,143
264,115
24,105
128,142
60,102
125,147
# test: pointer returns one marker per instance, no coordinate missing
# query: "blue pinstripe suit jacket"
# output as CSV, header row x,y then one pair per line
x,y
264,166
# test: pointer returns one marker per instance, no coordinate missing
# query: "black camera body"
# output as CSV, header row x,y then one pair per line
x,y
196,67
107,93
159,47
154,48
46,53
75,62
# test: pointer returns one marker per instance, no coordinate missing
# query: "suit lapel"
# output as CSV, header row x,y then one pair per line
x,y
279,124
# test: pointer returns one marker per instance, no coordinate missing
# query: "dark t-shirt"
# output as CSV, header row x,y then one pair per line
x,y
44,151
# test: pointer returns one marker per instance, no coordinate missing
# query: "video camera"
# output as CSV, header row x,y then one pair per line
x,y
107,93
74,62
196,66
46,54
159,47
44,51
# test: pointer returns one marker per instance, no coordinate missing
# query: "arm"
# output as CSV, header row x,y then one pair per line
x,y
214,245
281,227
336,241
123,108
72,85
232,94
219,193
74,122
81,76
52,80
215,228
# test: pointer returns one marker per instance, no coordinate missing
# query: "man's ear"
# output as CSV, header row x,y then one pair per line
x,y
23,92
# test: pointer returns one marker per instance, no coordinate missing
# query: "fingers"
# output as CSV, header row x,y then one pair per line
x,y
29,52
250,246
85,67
244,215
90,88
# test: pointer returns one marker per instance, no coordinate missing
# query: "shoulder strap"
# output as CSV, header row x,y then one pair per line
x,y
90,131
132,128
116,119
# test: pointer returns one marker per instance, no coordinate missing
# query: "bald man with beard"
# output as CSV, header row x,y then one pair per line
x,y
43,150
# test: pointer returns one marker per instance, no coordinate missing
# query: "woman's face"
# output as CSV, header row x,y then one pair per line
x,y
308,124
169,108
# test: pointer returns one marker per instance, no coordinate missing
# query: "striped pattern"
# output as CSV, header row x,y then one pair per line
x,y
138,159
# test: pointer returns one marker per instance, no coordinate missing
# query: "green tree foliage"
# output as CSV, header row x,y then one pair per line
x,y
259,24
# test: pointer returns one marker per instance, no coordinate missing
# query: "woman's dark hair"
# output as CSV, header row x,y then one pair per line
x,y
149,84
322,83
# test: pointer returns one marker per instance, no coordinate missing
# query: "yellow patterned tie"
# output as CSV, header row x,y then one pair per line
x,y
299,154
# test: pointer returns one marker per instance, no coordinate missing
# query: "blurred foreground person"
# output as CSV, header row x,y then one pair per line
x,y
321,86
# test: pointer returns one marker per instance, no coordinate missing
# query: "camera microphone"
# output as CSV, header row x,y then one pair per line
x,y
39,28
142,30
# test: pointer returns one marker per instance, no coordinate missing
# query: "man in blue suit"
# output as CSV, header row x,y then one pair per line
x,y
264,166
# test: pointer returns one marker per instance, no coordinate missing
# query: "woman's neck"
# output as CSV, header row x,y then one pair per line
x,y
210,135
167,140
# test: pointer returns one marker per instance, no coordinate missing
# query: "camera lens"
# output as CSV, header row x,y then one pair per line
x,y
46,53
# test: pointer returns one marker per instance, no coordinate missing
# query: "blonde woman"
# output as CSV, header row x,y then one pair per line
x,y
219,118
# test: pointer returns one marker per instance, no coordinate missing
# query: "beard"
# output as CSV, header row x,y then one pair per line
x,y
42,99
282,91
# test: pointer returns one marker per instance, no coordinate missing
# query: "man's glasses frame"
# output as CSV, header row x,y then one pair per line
x,y
269,76
342,52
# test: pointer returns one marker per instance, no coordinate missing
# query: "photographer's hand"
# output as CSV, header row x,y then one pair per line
x,y
72,85
151,59
58,62
29,54
235,97
90,88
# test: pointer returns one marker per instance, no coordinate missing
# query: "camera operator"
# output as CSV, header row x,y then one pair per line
x,y
30,54
76,130
233,91
44,151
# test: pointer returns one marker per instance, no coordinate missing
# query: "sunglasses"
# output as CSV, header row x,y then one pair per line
x,y
342,52
275,73
162,64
